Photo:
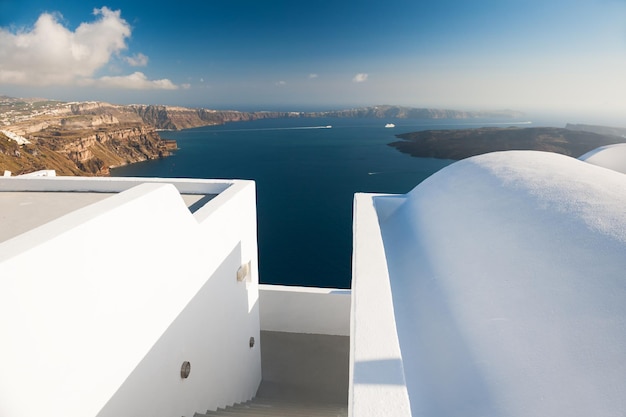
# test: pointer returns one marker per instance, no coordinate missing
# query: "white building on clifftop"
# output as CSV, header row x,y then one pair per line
x,y
497,287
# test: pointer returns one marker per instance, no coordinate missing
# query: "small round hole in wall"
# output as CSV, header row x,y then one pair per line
x,y
185,369
251,342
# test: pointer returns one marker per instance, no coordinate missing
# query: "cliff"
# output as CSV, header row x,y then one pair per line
x,y
463,143
74,138
86,152
177,118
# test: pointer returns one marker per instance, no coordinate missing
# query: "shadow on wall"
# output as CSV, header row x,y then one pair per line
x,y
379,372
212,333
439,366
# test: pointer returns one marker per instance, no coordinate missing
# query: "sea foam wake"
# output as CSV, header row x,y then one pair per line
x,y
277,128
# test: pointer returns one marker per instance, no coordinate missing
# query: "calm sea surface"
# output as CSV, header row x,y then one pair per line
x,y
306,178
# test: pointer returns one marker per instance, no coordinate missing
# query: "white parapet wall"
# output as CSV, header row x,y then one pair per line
x,y
377,386
305,310
100,308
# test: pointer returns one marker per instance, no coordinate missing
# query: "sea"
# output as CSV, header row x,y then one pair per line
x,y
306,172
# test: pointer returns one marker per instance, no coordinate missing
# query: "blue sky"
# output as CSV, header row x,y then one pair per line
x,y
551,55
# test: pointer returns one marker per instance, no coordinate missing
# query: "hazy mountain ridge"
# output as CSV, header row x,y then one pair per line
x,y
175,118
463,143
601,130
400,112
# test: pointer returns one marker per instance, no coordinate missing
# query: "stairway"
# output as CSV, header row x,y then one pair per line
x,y
265,407
304,375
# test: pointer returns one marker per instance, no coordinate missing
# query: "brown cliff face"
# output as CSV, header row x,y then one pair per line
x,y
94,151
177,118
82,146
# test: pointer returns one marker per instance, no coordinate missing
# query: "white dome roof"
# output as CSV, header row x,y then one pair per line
x,y
610,156
508,273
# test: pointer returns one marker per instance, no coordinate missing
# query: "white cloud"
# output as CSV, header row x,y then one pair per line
x,y
312,76
186,86
281,83
135,81
138,60
50,54
360,78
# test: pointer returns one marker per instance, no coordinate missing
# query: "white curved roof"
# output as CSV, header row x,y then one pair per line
x,y
508,273
610,156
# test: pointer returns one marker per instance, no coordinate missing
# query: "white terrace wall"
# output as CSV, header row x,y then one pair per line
x,y
305,310
100,308
41,181
377,386
305,341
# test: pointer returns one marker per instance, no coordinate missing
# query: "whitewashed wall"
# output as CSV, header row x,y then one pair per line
x,y
377,386
305,310
98,309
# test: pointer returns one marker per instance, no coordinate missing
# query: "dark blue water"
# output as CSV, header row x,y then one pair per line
x,y
306,179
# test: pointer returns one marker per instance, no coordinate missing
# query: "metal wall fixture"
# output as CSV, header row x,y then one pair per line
x,y
251,342
185,369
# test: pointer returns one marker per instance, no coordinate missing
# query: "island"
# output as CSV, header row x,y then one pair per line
x,y
457,144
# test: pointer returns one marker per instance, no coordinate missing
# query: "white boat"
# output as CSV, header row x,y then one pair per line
x,y
390,125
